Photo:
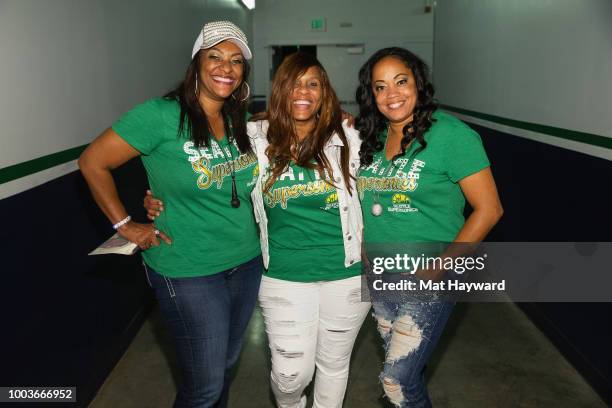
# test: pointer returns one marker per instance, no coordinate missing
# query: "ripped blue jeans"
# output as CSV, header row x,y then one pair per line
x,y
410,331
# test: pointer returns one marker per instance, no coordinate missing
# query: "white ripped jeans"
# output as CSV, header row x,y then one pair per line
x,y
311,324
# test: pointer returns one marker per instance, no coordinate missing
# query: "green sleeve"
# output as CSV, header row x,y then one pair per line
x,y
142,126
464,152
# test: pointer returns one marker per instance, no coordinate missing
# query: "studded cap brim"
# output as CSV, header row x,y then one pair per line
x,y
216,32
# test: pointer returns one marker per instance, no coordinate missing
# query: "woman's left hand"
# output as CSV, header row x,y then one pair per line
x,y
153,206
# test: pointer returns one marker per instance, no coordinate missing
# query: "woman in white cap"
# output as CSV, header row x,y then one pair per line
x,y
198,159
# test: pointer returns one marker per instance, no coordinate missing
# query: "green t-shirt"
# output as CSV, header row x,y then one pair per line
x,y
420,196
304,229
208,234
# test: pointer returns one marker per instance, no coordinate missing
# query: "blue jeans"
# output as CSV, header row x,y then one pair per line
x,y
207,317
410,331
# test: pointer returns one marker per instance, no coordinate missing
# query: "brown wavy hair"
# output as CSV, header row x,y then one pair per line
x,y
282,134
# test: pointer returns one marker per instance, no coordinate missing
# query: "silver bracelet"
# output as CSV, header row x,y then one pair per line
x,y
122,222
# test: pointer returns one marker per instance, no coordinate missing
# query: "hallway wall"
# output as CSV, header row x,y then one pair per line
x,y
533,78
69,69
544,63
371,24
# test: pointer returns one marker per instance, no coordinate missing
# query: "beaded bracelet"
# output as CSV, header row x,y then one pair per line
x,y
122,222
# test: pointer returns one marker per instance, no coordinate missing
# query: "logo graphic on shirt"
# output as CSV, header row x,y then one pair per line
x,y
396,178
209,174
400,199
401,203
391,178
282,195
331,201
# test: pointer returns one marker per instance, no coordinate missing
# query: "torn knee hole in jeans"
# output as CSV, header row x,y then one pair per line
x,y
338,330
406,338
384,326
288,354
286,382
393,391
277,300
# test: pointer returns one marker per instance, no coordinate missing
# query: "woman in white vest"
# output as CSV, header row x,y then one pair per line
x,y
309,217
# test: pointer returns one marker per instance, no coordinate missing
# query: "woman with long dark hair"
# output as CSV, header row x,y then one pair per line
x,y
419,165
197,155
310,225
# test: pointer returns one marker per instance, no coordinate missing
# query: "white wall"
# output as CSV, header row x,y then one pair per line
x,y
545,62
69,68
375,24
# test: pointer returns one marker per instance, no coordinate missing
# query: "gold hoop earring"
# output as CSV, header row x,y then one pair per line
x,y
196,85
248,92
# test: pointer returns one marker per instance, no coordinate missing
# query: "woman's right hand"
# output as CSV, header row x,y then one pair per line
x,y
143,235
153,206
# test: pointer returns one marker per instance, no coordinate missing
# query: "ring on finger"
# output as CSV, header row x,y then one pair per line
x,y
156,231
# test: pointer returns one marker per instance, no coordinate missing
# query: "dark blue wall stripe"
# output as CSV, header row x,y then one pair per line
x,y
576,136
70,315
554,194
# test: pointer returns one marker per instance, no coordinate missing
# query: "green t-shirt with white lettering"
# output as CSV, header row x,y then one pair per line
x,y
208,234
419,193
304,228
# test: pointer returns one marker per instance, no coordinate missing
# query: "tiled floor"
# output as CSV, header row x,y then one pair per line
x,y
491,355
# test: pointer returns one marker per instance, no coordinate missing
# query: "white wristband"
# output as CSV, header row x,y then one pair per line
x,y
122,222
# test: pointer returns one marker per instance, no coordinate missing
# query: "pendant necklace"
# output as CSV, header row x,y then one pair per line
x,y
235,201
377,208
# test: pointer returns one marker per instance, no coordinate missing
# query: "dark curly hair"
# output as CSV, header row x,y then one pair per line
x,y
371,122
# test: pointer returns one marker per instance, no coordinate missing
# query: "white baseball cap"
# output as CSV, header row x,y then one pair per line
x,y
217,31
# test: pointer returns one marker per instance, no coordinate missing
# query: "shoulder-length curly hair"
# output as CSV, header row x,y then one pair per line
x,y
282,135
193,119
371,122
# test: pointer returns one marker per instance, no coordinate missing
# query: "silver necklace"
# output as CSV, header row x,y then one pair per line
x,y
377,208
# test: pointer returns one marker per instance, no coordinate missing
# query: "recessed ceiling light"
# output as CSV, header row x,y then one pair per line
x,y
250,4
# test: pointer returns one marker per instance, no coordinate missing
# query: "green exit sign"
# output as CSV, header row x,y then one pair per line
x,y
318,24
